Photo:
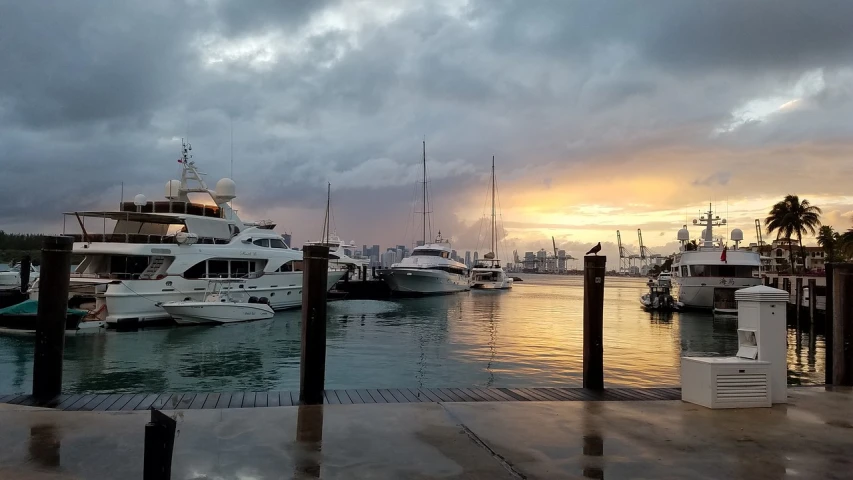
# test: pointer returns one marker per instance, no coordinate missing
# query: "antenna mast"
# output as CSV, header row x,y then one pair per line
x,y
494,242
326,226
425,193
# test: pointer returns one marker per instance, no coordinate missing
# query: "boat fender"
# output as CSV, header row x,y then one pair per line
x,y
253,299
264,300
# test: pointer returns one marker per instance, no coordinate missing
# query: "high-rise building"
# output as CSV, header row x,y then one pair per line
x,y
453,256
404,251
287,239
476,257
468,258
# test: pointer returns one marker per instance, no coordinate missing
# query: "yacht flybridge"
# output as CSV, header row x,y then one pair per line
x,y
166,251
487,273
706,275
429,270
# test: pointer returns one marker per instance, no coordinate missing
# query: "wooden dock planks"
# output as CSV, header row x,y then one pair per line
x,y
197,401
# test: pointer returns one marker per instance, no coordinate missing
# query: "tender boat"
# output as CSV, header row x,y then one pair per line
x,y
221,305
487,273
659,297
22,318
706,275
429,270
165,251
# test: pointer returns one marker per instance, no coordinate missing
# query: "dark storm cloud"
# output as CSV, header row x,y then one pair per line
x,y
93,93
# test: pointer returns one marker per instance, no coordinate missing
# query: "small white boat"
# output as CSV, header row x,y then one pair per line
x,y
659,296
220,305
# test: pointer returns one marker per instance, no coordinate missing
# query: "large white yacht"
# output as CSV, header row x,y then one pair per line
x,y
166,251
429,270
487,273
707,274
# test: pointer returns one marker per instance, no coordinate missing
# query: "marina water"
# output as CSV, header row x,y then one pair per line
x,y
528,336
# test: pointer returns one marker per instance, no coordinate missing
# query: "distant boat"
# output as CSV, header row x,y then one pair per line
x,y
429,270
220,305
487,273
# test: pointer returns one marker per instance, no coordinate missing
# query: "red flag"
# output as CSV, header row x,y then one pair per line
x,y
180,160
723,256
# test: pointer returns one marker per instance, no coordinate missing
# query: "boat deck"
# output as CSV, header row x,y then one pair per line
x,y
197,401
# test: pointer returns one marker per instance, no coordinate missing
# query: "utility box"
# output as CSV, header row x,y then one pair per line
x,y
762,313
758,375
725,382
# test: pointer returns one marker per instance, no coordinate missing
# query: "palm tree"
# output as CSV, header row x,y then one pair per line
x,y
830,240
792,217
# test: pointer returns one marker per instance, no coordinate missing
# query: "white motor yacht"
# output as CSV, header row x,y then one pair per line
x,y
707,275
220,305
166,251
487,273
429,270
10,278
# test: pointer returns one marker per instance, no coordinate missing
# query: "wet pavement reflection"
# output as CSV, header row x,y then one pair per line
x,y
309,441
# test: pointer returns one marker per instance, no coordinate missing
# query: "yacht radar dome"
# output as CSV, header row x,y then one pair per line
x,y
684,235
173,189
226,189
695,221
140,200
737,236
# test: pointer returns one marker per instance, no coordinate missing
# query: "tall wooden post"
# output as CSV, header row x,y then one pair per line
x,y
842,324
26,263
50,321
828,322
812,299
159,443
312,367
593,321
798,298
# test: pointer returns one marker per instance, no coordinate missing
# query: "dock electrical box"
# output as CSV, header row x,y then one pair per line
x,y
725,382
757,376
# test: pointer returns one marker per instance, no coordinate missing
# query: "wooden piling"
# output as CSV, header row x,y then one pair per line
x,y
798,298
364,273
312,367
50,320
593,321
26,262
842,324
828,322
812,299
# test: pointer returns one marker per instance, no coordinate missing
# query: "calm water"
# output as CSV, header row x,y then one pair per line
x,y
529,336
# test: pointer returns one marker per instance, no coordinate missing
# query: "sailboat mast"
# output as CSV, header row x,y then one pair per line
x,y
425,193
494,242
326,225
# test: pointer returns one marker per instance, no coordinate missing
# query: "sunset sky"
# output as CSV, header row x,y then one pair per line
x,y
602,115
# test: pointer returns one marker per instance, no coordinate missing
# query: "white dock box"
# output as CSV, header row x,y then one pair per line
x,y
725,382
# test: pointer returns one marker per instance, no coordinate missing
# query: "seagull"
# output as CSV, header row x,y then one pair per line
x,y
594,250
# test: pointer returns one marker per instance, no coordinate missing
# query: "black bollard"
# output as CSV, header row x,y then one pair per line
x,y
593,321
842,325
50,321
159,443
373,275
312,367
25,273
364,272
798,298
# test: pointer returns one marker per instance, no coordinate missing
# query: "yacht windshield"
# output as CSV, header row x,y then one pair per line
x,y
430,253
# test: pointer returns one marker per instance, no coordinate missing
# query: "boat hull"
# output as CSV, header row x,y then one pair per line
x,y
414,281
137,300
27,321
200,313
698,293
490,279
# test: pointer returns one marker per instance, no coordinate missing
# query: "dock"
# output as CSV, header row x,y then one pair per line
x,y
206,401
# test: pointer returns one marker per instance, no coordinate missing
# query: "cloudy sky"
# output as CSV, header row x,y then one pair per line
x,y
602,115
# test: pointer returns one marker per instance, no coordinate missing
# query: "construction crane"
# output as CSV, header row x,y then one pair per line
x,y
644,257
758,236
624,257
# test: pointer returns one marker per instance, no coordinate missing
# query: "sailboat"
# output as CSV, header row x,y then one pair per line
x,y
339,251
487,273
429,270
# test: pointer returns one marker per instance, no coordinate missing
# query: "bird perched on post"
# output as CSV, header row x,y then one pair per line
x,y
594,250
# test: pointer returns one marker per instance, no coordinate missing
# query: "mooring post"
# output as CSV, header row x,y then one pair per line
x,y
159,443
364,273
26,262
312,367
827,324
812,299
798,299
373,274
842,324
593,321
50,320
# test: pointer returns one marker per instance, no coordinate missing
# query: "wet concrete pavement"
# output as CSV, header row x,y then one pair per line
x,y
811,437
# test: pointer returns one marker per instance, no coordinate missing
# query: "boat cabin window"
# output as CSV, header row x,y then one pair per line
x,y
736,271
684,270
430,253
262,242
223,268
277,243
290,266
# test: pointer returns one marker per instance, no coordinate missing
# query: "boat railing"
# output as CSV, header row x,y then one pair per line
x,y
137,238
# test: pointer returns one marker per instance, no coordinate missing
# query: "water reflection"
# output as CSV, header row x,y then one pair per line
x,y
309,441
593,442
44,445
528,336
